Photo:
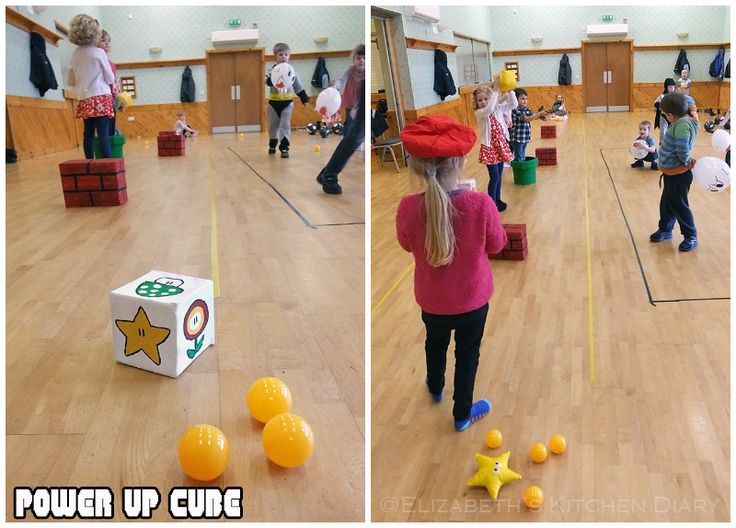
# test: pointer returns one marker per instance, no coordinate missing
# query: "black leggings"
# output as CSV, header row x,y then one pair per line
x,y
469,329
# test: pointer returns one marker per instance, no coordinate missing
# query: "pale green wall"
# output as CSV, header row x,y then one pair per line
x,y
183,32
511,27
564,26
18,50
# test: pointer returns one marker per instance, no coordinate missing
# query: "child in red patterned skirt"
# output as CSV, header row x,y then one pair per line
x,y
494,150
91,76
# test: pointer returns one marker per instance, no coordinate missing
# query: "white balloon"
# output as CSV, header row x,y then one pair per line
x,y
328,102
282,75
712,174
638,152
721,140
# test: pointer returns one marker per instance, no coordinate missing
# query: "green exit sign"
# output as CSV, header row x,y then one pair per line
x,y
606,18
234,22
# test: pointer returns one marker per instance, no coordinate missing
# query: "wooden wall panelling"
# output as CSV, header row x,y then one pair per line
x,y
40,126
454,108
706,94
724,98
151,119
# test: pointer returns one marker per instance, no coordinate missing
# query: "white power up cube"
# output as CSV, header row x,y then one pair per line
x,y
162,321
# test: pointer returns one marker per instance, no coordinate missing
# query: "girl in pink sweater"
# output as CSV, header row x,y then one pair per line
x,y
451,233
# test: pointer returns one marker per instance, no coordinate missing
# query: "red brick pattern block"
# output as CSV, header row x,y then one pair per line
x,y
170,144
517,247
546,155
93,183
549,131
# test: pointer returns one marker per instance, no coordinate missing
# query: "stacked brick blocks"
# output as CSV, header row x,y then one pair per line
x,y
517,247
93,183
162,322
549,131
546,155
170,144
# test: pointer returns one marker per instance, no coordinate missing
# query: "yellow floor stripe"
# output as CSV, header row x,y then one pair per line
x,y
213,235
393,287
591,340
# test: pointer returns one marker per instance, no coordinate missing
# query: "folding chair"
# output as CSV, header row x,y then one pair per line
x,y
379,126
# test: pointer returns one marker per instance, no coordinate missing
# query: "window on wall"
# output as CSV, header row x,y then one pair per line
x,y
473,60
128,85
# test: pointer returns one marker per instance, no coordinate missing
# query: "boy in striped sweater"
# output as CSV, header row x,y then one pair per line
x,y
676,162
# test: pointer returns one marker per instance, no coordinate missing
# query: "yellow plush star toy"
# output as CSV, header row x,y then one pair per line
x,y
493,473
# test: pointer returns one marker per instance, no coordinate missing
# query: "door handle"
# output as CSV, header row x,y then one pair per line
x,y
237,92
610,80
232,92
605,77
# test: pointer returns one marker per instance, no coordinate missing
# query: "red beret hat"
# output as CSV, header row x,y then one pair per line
x,y
437,136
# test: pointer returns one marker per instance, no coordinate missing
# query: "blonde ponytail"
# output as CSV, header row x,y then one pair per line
x,y
439,241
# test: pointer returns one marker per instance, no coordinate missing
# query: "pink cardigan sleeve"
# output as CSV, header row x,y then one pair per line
x,y
495,234
401,235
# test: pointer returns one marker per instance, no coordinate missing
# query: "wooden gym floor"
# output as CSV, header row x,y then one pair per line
x,y
291,305
573,345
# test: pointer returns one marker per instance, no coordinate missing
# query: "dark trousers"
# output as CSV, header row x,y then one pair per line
x,y
728,157
674,204
518,150
494,181
468,334
112,125
354,135
102,126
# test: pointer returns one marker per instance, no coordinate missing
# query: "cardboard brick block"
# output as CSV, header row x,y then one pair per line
x,y
518,244
113,182
106,166
166,133
162,322
77,199
516,255
68,183
515,231
497,256
109,198
89,182
73,167
549,131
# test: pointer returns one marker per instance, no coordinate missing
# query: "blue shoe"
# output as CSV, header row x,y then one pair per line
x,y
688,244
659,235
437,398
477,411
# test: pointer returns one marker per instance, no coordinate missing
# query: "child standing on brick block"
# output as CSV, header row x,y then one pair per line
x,y
676,163
451,232
91,76
521,133
280,105
494,150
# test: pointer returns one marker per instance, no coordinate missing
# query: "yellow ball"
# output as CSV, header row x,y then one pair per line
x,y
268,397
494,438
203,452
538,453
533,497
288,440
506,80
557,444
316,148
